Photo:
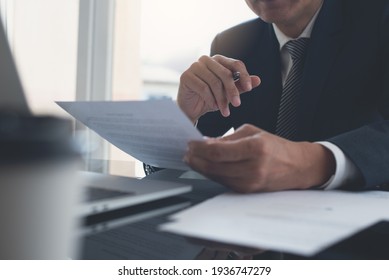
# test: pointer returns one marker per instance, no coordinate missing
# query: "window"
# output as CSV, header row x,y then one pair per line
x,y
155,41
117,49
43,38
175,33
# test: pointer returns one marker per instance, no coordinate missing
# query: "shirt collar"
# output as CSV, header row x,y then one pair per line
x,y
283,39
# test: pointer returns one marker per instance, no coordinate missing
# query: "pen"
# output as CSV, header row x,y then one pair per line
x,y
236,76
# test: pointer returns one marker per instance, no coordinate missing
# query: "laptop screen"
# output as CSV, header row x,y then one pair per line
x,y
12,99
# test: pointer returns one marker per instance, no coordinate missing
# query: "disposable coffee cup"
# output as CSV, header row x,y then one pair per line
x,y
39,189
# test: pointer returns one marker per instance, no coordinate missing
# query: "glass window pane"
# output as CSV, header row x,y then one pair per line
x,y
44,41
155,41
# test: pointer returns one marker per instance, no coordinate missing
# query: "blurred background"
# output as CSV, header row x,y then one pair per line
x,y
110,50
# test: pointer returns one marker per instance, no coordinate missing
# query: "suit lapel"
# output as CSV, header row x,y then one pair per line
x,y
260,107
325,43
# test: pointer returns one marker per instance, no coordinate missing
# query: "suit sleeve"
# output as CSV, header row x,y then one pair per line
x,y
368,146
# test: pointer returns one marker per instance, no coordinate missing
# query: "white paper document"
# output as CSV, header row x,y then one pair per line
x,y
301,222
155,132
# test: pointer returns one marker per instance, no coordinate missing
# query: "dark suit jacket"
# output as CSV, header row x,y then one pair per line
x,y
345,94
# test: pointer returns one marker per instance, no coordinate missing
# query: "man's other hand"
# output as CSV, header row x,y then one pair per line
x,y
253,160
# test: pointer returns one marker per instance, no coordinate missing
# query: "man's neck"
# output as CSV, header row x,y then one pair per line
x,y
293,28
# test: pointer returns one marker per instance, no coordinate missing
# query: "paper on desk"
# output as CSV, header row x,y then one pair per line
x,y
155,132
301,222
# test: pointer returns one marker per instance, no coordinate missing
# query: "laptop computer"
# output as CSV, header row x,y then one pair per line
x,y
12,97
102,192
124,216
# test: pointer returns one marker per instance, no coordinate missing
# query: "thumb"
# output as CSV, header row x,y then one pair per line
x,y
245,130
255,81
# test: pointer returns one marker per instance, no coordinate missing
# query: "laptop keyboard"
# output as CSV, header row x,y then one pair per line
x,y
94,193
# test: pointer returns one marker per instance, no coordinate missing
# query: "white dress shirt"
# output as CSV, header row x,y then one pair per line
x,y
345,168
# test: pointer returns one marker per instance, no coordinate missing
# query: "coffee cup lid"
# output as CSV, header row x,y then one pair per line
x,y
31,138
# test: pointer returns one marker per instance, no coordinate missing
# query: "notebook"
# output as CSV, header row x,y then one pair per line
x,y
102,192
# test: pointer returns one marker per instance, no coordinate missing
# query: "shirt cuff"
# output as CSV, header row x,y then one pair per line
x,y
345,170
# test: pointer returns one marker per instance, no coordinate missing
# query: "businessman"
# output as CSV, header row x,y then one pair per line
x,y
311,106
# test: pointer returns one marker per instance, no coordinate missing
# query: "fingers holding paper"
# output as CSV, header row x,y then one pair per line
x,y
208,85
252,160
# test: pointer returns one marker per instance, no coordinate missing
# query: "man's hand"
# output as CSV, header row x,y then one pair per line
x,y
252,160
208,86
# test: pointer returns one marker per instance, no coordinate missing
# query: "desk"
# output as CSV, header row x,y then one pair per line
x,y
141,240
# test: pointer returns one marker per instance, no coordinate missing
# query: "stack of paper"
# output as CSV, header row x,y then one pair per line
x,y
301,222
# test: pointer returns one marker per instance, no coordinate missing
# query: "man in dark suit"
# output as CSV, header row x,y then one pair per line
x,y
337,128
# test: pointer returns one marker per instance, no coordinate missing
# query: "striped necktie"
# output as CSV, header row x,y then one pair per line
x,y
287,115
